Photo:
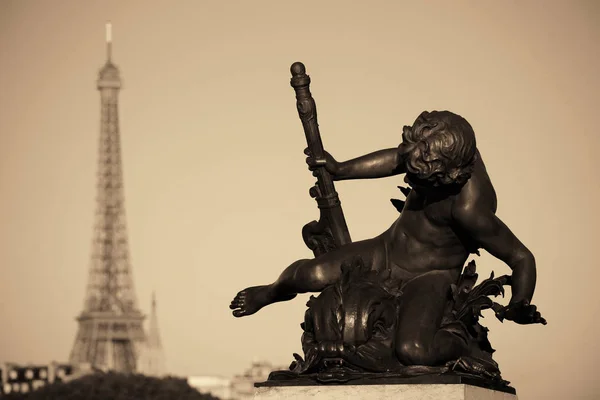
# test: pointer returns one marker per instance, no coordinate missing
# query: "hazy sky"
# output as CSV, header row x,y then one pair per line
x,y
215,182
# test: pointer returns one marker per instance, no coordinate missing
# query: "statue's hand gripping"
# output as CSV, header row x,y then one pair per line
x,y
330,163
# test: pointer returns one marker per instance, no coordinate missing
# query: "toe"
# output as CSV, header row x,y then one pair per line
x,y
236,303
239,313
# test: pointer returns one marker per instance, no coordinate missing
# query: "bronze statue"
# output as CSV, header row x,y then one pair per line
x,y
400,304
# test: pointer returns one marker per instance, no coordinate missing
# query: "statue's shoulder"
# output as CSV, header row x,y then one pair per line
x,y
478,192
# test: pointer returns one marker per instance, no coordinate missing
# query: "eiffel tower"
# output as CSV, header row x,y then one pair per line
x,y
110,333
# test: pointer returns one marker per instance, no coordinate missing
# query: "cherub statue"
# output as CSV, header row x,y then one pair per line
x,y
449,213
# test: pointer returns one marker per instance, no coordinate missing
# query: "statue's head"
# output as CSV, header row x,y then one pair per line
x,y
440,149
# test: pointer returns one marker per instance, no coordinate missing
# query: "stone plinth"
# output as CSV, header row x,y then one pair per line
x,y
381,392
425,387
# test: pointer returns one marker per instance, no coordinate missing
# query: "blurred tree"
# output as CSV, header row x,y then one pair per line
x,y
115,386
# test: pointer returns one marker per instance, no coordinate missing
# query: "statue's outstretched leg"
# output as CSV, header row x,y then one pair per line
x,y
419,339
305,276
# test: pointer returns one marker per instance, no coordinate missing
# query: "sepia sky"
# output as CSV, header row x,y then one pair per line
x,y
215,181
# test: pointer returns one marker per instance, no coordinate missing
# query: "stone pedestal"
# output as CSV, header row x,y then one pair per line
x,y
381,392
426,387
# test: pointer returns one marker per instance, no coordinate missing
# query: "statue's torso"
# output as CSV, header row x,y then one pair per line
x,y
424,238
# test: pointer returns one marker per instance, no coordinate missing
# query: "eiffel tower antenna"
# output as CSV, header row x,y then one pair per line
x,y
110,331
108,41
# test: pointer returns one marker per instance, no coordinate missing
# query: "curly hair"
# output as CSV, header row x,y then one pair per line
x,y
443,148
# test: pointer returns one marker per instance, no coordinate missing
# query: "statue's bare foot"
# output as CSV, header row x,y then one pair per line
x,y
252,299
